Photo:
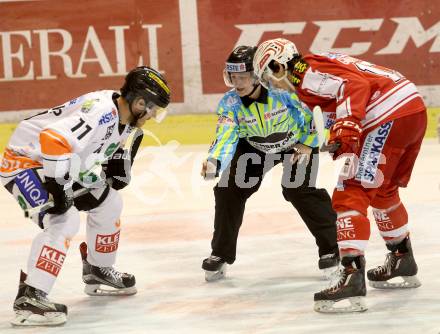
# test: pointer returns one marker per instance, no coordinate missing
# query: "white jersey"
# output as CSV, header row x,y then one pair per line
x,y
73,138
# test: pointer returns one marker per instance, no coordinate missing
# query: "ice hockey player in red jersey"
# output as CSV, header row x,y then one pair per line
x,y
88,142
377,120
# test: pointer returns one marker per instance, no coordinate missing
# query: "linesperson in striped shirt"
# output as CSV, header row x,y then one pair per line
x,y
266,127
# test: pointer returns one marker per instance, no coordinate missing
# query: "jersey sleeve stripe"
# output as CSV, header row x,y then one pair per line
x,y
54,144
12,162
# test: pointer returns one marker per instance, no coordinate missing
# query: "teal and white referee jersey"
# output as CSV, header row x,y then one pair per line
x,y
273,123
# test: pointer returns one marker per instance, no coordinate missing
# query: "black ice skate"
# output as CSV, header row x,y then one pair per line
x,y
32,308
105,281
329,264
215,268
398,263
349,285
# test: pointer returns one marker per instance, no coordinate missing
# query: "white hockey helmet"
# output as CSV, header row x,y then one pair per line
x,y
279,49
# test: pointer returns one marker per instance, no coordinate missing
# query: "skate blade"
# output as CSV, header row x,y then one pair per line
x,y
97,290
211,276
357,304
29,319
407,283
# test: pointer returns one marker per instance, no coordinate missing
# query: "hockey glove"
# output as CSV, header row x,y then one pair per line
x,y
119,169
62,198
346,133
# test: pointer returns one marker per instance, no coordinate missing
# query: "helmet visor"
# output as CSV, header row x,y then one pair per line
x,y
149,108
239,79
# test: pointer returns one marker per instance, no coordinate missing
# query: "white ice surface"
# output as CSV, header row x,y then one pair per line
x,y
167,226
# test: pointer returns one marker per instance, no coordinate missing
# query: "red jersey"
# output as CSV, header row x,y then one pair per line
x,y
345,86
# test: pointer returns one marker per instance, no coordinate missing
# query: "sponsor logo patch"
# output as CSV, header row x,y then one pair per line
x,y
50,260
109,132
31,188
87,105
225,120
107,243
276,112
383,222
235,67
108,117
345,229
371,154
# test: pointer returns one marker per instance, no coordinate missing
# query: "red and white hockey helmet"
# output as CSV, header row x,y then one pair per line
x,y
278,49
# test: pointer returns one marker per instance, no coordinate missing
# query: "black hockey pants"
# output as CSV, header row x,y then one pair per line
x,y
237,185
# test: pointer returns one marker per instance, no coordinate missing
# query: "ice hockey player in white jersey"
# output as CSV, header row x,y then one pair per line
x,y
79,144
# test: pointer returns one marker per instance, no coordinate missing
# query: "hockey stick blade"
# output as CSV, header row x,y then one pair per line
x,y
320,130
318,119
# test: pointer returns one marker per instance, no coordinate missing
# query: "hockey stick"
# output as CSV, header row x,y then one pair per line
x,y
320,129
50,204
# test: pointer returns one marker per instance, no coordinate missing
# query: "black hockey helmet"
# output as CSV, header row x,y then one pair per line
x,y
240,60
149,84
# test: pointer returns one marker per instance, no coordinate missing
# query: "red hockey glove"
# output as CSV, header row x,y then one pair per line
x,y
346,133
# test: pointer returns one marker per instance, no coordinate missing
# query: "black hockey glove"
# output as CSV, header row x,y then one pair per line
x,y
119,169
62,198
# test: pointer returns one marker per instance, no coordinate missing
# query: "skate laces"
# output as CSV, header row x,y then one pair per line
x,y
386,268
112,272
337,279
